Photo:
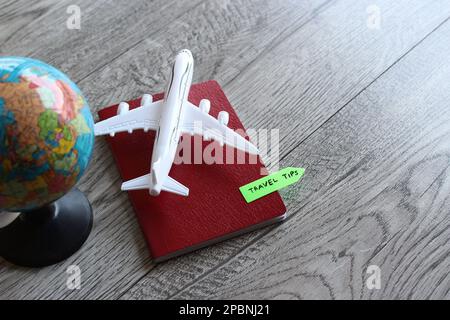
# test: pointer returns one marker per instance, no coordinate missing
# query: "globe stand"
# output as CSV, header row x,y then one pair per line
x,y
50,234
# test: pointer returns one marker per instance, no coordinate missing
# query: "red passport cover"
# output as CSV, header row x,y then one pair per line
x,y
214,210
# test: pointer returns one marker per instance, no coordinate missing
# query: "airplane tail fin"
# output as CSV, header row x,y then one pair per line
x,y
152,182
155,172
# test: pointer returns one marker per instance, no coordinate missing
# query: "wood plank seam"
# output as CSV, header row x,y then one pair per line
x,y
136,44
366,87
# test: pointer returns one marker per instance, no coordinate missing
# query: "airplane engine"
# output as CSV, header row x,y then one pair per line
x,y
205,105
123,108
223,117
146,99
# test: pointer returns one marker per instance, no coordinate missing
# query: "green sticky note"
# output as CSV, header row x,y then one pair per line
x,y
271,183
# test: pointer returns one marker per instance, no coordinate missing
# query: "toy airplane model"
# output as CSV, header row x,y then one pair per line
x,y
171,117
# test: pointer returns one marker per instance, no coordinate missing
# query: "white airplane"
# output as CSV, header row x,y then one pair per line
x,y
171,117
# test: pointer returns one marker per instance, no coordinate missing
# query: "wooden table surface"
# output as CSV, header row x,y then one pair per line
x,y
360,93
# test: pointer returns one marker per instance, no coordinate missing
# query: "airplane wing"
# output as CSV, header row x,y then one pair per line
x,y
198,122
144,117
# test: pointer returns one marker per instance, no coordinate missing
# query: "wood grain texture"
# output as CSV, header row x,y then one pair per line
x,y
107,30
376,187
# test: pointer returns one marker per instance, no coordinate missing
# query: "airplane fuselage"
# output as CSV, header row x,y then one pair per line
x,y
168,134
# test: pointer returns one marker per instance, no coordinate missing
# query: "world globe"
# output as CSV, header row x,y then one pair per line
x,y
46,134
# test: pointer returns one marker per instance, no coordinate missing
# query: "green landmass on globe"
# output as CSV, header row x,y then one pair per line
x,y
46,134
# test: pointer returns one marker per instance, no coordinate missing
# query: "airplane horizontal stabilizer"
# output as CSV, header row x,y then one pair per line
x,y
172,185
139,183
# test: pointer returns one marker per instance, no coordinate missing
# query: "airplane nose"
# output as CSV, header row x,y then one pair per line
x,y
187,52
185,55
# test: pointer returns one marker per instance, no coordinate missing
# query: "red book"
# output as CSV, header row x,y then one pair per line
x,y
214,210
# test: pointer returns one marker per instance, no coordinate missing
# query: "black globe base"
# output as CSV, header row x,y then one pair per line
x,y
48,235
